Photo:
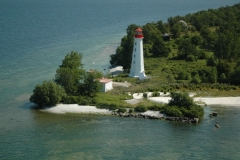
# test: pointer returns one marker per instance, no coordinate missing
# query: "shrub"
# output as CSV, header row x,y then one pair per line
x,y
202,55
130,110
181,100
81,100
190,58
141,108
108,106
122,110
182,105
145,95
172,111
155,94
196,79
155,108
211,61
47,94
183,75
194,112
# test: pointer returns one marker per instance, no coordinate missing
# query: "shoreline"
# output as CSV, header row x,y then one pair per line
x,y
75,108
221,101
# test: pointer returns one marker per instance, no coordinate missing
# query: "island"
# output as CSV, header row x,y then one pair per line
x,y
190,61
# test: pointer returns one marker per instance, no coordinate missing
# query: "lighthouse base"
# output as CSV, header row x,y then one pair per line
x,y
140,75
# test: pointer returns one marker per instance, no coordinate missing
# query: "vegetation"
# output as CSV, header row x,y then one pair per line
x,y
206,42
47,94
122,110
72,84
68,75
74,79
141,108
112,101
201,55
181,105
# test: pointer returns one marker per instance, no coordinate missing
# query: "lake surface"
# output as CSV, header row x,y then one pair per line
x,y
34,38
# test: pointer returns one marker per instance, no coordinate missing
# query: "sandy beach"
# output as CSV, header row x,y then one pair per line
x,y
223,101
75,108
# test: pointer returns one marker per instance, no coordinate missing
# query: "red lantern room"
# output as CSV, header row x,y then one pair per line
x,y
138,33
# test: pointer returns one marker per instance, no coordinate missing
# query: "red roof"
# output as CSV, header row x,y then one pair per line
x,y
138,33
138,30
104,80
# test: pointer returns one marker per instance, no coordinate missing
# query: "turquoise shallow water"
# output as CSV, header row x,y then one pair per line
x,y
34,38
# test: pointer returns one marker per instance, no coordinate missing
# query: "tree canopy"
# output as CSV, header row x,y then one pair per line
x,y
212,35
181,100
90,85
70,84
47,94
181,105
69,74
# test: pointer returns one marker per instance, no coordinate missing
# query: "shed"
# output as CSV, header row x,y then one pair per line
x,y
106,84
166,37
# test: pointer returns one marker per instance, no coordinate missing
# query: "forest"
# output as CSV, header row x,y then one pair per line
x,y
203,47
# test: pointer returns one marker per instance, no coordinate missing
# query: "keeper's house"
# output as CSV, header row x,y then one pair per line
x,y
106,84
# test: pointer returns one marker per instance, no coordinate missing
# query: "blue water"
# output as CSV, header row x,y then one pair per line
x,y
35,35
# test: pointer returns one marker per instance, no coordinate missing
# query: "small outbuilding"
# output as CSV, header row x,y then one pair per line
x,y
166,37
106,84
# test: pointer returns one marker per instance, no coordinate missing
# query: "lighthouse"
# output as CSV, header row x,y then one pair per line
x,y
137,65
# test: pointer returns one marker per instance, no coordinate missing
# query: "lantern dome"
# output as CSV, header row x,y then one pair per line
x,y
138,33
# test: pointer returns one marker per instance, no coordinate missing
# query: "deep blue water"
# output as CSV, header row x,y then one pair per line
x,y
35,35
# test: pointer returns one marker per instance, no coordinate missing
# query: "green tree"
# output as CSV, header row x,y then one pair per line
x,y
190,58
183,75
204,32
201,54
196,40
170,78
163,27
172,111
186,48
226,46
196,79
47,94
131,30
69,74
123,54
210,40
225,67
211,61
176,30
222,78
72,60
197,21
151,33
90,86
153,37
183,105
212,78
181,100
147,50
141,108
234,77
160,49
174,20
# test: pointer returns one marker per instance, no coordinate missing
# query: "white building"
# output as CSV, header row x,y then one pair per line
x,y
106,84
137,65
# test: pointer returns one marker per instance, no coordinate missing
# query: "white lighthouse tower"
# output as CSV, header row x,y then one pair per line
x,y
137,65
